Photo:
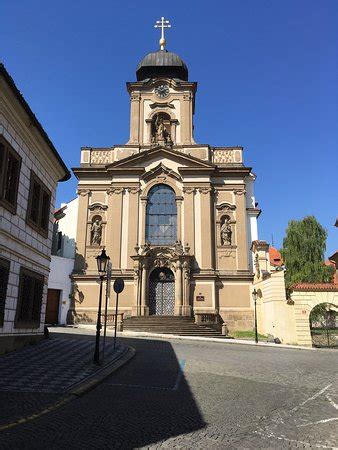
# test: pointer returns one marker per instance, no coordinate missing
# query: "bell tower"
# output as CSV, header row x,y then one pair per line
x,y
162,99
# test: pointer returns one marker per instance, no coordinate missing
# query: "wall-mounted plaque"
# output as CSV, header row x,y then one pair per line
x,y
199,298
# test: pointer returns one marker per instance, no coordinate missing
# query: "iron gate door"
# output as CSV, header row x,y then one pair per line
x,y
162,292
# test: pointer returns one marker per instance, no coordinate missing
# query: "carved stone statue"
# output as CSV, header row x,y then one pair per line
x,y
161,134
145,248
178,247
96,232
226,232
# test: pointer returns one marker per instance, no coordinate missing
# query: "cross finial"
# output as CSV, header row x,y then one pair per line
x,y
162,24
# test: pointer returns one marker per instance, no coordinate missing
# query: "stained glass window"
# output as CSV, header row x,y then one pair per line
x,y
161,220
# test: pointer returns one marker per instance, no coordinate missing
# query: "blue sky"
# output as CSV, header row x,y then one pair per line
x,y
267,73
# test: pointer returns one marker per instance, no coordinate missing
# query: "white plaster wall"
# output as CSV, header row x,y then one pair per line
x,y
252,226
60,270
67,225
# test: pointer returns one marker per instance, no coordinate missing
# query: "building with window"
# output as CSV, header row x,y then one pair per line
x,y
62,264
176,217
30,169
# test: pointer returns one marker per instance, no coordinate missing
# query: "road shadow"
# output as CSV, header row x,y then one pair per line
x,y
145,402
149,400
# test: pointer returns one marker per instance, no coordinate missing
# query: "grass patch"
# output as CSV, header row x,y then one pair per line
x,y
250,335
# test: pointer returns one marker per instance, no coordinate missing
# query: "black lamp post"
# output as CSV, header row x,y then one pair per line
x,y
254,296
102,261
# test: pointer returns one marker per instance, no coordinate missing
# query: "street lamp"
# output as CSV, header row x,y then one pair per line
x,y
254,296
102,261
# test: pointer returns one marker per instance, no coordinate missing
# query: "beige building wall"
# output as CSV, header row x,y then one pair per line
x,y
211,275
20,244
304,302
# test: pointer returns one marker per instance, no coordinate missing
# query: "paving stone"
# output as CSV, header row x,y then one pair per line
x,y
226,397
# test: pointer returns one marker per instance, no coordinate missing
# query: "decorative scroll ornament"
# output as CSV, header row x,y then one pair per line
x,y
206,190
225,207
83,192
135,97
97,207
133,190
239,191
161,105
258,272
115,190
222,156
189,190
100,156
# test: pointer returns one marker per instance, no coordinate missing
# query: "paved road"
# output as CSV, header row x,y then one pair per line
x,y
190,394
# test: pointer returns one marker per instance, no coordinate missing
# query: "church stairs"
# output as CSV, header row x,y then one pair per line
x,y
179,325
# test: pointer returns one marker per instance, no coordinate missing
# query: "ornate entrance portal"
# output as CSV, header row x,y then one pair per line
x,y
162,292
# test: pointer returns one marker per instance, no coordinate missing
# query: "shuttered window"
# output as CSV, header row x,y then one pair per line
x,y
38,205
4,273
30,299
10,164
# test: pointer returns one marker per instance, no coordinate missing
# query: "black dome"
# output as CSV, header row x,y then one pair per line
x,y
162,64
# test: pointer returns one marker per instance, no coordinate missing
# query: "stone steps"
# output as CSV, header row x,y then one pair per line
x,y
181,326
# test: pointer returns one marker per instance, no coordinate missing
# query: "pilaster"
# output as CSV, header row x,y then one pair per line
x,y
81,233
241,230
133,222
206,228
188,221
178,289
114,226
135,99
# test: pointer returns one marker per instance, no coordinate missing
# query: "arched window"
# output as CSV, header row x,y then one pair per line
x,y
161,219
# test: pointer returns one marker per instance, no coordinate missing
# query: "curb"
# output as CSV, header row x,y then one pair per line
x,y
79,389
92,381
143,334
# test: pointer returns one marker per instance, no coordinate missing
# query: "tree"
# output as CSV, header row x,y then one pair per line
x,y
303,253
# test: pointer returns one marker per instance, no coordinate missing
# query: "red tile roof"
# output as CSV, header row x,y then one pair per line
x,y
315,287
275,257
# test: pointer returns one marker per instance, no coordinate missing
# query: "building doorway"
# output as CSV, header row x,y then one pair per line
x,y
161,292
53,303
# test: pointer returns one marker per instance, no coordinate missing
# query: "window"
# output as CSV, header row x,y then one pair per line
x,y
4,273
38,206
161,220
10,163
30,299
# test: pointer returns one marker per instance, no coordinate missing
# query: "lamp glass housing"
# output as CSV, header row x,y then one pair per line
x,y
102,260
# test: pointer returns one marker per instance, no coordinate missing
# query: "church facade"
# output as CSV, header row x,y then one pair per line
x,y
176,218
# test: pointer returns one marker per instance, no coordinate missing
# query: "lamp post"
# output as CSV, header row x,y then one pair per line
x,y
102,261
254,296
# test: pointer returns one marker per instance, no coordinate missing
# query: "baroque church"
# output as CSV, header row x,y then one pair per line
x,y
177,218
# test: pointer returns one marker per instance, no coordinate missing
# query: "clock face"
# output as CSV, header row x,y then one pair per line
x,y
162,91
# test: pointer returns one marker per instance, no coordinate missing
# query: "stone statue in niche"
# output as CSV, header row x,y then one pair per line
x,y
160,132
96,232
226,232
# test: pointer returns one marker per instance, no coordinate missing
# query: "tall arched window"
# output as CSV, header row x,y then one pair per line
x,y
161,219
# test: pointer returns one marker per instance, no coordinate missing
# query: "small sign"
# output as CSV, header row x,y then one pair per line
x,y
199,298
118,285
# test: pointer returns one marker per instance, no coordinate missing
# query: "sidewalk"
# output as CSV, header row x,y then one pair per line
x,y
62,366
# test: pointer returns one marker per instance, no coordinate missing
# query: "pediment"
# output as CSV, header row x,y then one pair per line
x,y
144,158
159,170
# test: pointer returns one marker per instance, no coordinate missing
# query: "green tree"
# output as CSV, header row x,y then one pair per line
x,y
303,253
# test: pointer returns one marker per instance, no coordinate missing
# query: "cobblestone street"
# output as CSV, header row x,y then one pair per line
x,y
39,375
190,394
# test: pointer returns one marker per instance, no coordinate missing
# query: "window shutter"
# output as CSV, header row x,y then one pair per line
x,y
37,300
4,274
